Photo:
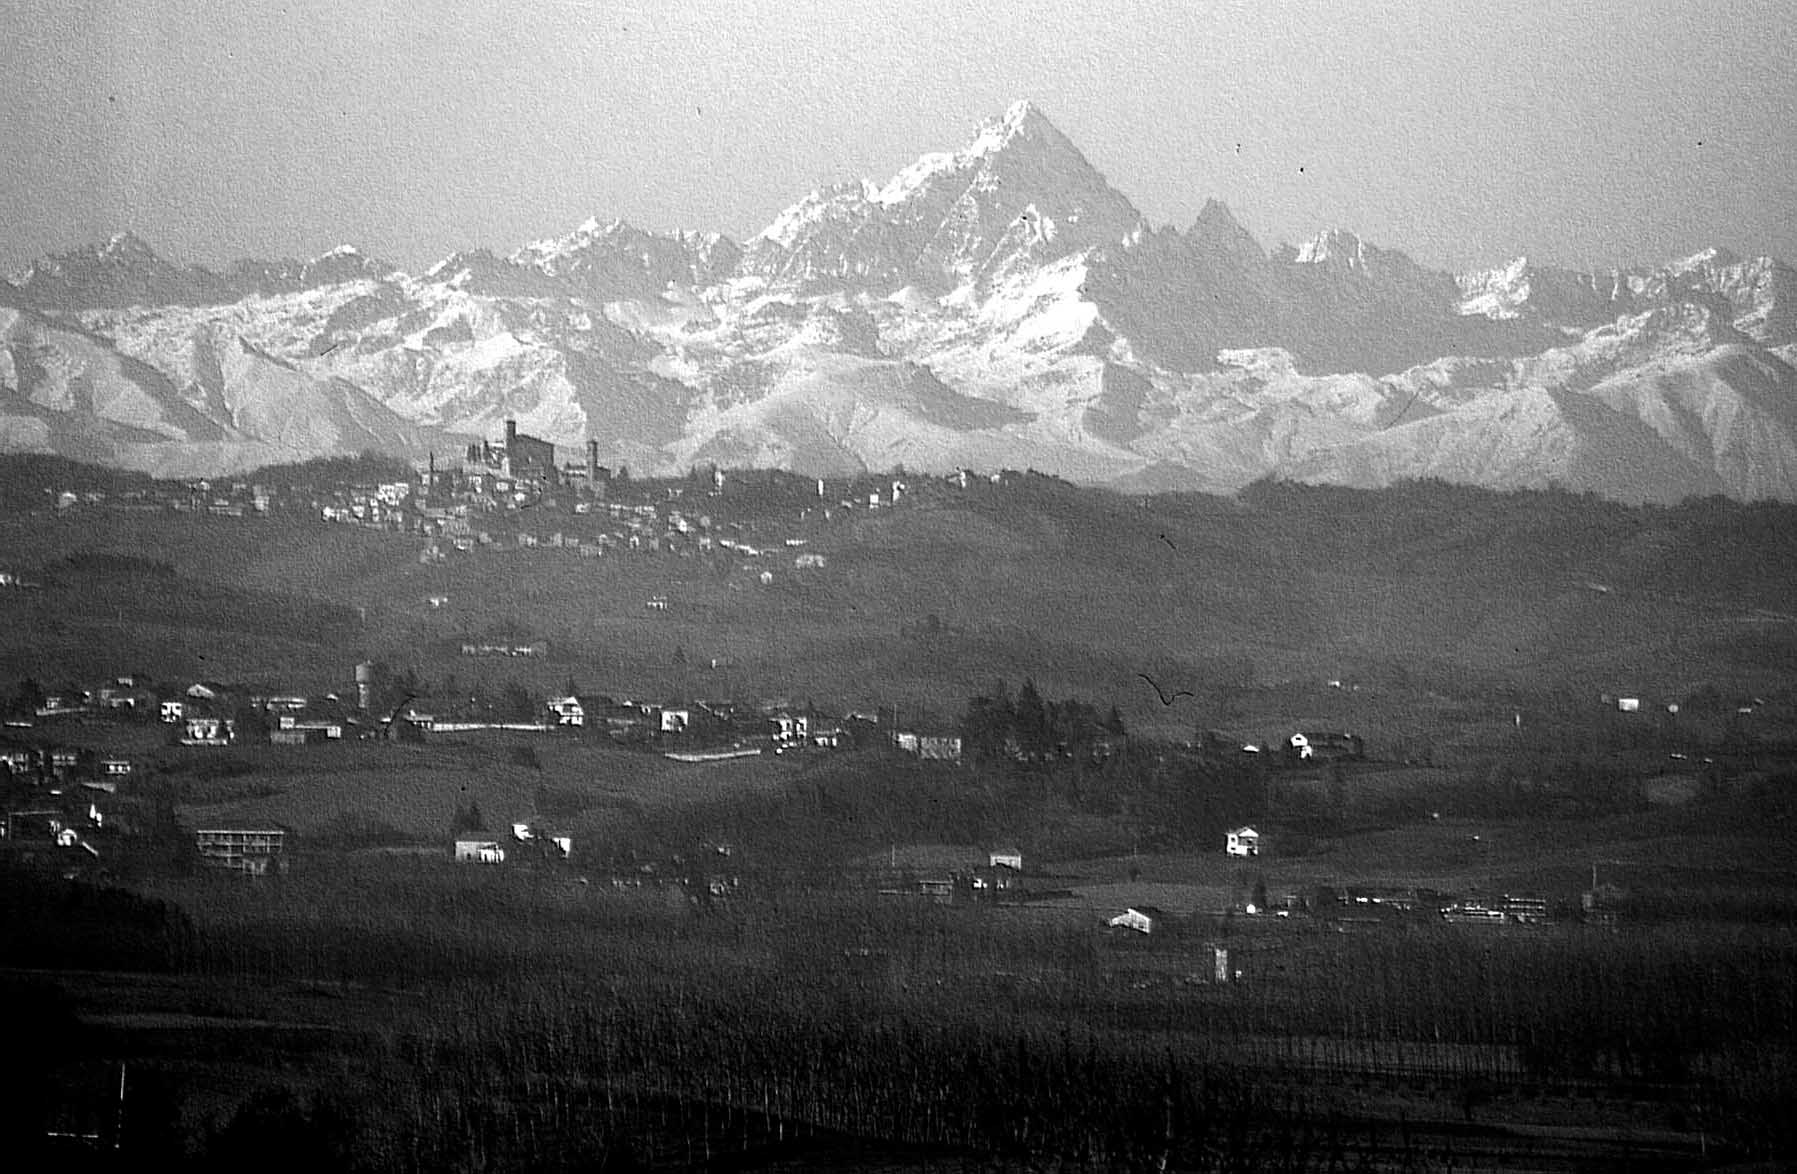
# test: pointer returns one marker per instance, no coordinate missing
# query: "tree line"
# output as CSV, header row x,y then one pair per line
x,y
1031,731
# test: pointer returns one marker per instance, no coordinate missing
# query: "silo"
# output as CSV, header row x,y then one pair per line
x,y
365,684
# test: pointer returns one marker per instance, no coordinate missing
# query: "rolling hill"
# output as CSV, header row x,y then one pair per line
x,y
1438,603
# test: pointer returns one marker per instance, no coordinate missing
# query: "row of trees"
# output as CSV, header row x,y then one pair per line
x,y
563,1017
1027,729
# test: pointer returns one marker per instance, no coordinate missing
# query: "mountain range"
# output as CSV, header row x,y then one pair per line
x,y
1000,305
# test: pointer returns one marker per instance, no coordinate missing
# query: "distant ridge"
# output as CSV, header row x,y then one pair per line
x,y
995,305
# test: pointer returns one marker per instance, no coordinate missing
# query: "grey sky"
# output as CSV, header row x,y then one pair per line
x,y
1582,133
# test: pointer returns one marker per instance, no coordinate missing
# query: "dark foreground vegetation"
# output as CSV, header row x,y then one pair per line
x,y
381,1012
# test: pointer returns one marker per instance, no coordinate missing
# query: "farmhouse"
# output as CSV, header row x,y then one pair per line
x,y
61,703
1143,919
302,731
1242,841
940,889
929,747
122,694
789,727
990,881
479,852
1309,745
1011,858
578,711
202,729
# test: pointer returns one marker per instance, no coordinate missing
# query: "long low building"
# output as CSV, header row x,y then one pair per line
x,y
252,851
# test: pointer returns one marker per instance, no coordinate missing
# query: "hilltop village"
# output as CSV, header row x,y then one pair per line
x,y
512,494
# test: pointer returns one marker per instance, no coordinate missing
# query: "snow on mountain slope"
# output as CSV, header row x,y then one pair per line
x,y
1019,193
995,305
1760,293
124,271
1526,438
64,391
56,373
836,413
1732,410
618,261
1655,407
148,403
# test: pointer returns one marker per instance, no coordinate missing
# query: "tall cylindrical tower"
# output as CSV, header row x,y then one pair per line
x,y
364,684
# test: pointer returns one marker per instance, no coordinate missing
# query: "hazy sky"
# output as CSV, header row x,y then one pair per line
x,y
1583,133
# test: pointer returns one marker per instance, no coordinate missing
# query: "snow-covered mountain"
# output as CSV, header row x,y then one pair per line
x,y
997,305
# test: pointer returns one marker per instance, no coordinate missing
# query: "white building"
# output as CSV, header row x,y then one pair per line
x,y
205,730
1140,918
479,852
1243,841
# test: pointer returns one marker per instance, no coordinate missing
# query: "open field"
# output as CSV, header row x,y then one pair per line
x,y
415,791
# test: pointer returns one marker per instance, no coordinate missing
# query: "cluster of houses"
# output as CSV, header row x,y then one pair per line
x,y
512,494
53,766
219,499
210,713
49,784
948,875
732,727
213,714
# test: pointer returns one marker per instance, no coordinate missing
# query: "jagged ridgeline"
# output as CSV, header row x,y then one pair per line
x,y
996,305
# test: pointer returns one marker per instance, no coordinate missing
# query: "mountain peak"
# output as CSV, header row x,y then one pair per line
x,y
1022,123
1018,192
1021,118
123,271
1021,111
1218,229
